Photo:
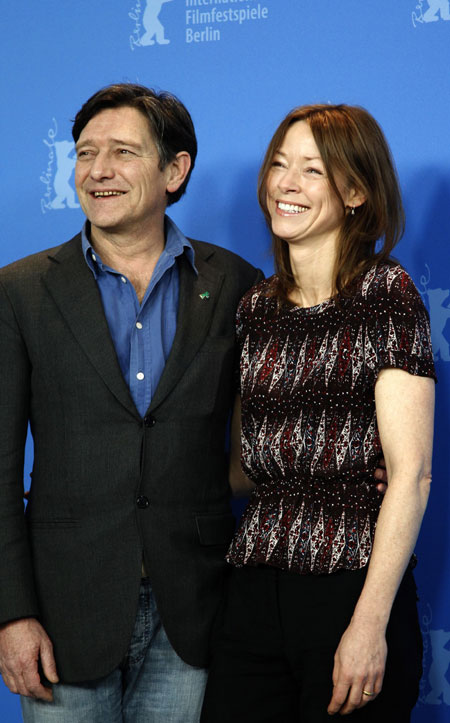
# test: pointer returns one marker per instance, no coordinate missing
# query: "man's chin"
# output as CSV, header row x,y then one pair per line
x,y
102,230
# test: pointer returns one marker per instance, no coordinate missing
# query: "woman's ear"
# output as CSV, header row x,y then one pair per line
x,y
355,198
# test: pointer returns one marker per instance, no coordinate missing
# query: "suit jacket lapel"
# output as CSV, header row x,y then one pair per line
x,y
195,313
73,288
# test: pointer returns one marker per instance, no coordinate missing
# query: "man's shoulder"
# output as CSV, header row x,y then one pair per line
x,y
38,262
220,256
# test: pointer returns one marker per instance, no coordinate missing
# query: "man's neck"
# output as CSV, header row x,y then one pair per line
x,y
134,257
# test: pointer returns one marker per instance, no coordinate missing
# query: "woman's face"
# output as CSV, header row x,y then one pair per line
x,y
301,203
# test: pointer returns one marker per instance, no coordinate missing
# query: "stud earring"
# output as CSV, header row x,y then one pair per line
x,y
353,211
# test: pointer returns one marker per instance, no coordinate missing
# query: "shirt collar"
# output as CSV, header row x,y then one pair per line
x,y
176,244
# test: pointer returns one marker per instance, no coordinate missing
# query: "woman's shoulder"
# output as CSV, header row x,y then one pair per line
x,y
261,292
388,282
397,321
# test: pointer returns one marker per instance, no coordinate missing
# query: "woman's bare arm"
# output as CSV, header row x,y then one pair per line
x,y
405,410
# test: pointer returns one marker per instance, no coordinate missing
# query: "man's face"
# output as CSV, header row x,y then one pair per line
x,y
119,184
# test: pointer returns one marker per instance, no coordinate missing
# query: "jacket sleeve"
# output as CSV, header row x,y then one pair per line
x,y
17,593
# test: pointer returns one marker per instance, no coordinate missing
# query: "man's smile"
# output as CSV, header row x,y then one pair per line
x,y
104,194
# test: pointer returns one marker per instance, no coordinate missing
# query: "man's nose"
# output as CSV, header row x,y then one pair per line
x,y
102,167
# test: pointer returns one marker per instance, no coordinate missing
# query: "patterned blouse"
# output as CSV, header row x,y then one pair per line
x,y
309,430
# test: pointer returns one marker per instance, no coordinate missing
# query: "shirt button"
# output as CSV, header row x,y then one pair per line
x,y
138,325
122,278
94,258
142,502
140,376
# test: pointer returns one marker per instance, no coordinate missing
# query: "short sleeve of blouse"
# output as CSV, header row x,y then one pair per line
x,y
398,325
244,316
240,320
247,309
240,315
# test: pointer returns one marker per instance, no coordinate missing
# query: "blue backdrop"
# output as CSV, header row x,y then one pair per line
x,y
240,65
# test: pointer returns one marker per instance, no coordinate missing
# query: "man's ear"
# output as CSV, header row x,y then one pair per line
x,y
177,171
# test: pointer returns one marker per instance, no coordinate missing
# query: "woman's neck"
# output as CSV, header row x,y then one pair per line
x,y
312,268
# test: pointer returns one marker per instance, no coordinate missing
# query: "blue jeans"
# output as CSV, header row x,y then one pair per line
x,y
153,685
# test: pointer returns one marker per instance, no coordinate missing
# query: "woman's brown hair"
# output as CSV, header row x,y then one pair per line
x,y
352,145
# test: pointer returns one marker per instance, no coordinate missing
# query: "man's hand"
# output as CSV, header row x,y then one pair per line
x,y
22,644
381,474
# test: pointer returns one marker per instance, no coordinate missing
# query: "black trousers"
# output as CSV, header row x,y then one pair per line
x,y
275,644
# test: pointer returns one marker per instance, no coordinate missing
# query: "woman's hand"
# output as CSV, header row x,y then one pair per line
x,y
404,405
380,474
359,664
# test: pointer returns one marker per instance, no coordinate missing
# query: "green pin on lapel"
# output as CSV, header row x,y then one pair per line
x,y
204,295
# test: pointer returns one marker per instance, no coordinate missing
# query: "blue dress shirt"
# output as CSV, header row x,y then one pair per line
x,y
142,333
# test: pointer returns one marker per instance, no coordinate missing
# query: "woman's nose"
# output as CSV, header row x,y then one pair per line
x,y
290,181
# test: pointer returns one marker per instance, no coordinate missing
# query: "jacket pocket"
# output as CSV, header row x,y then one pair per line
x,y
53,524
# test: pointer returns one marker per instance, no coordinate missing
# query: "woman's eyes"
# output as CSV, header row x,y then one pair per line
x,y
309,170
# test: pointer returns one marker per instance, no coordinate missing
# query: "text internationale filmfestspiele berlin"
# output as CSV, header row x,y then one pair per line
x,y
206,19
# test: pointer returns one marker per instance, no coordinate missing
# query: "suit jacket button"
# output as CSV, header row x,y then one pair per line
x,y
142,502
149,421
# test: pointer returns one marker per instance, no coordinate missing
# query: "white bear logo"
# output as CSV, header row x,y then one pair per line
x,y
440,687
65,165
439,314
154,29
438,301
435,6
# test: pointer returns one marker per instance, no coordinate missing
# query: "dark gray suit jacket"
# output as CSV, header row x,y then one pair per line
x,y
108,487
